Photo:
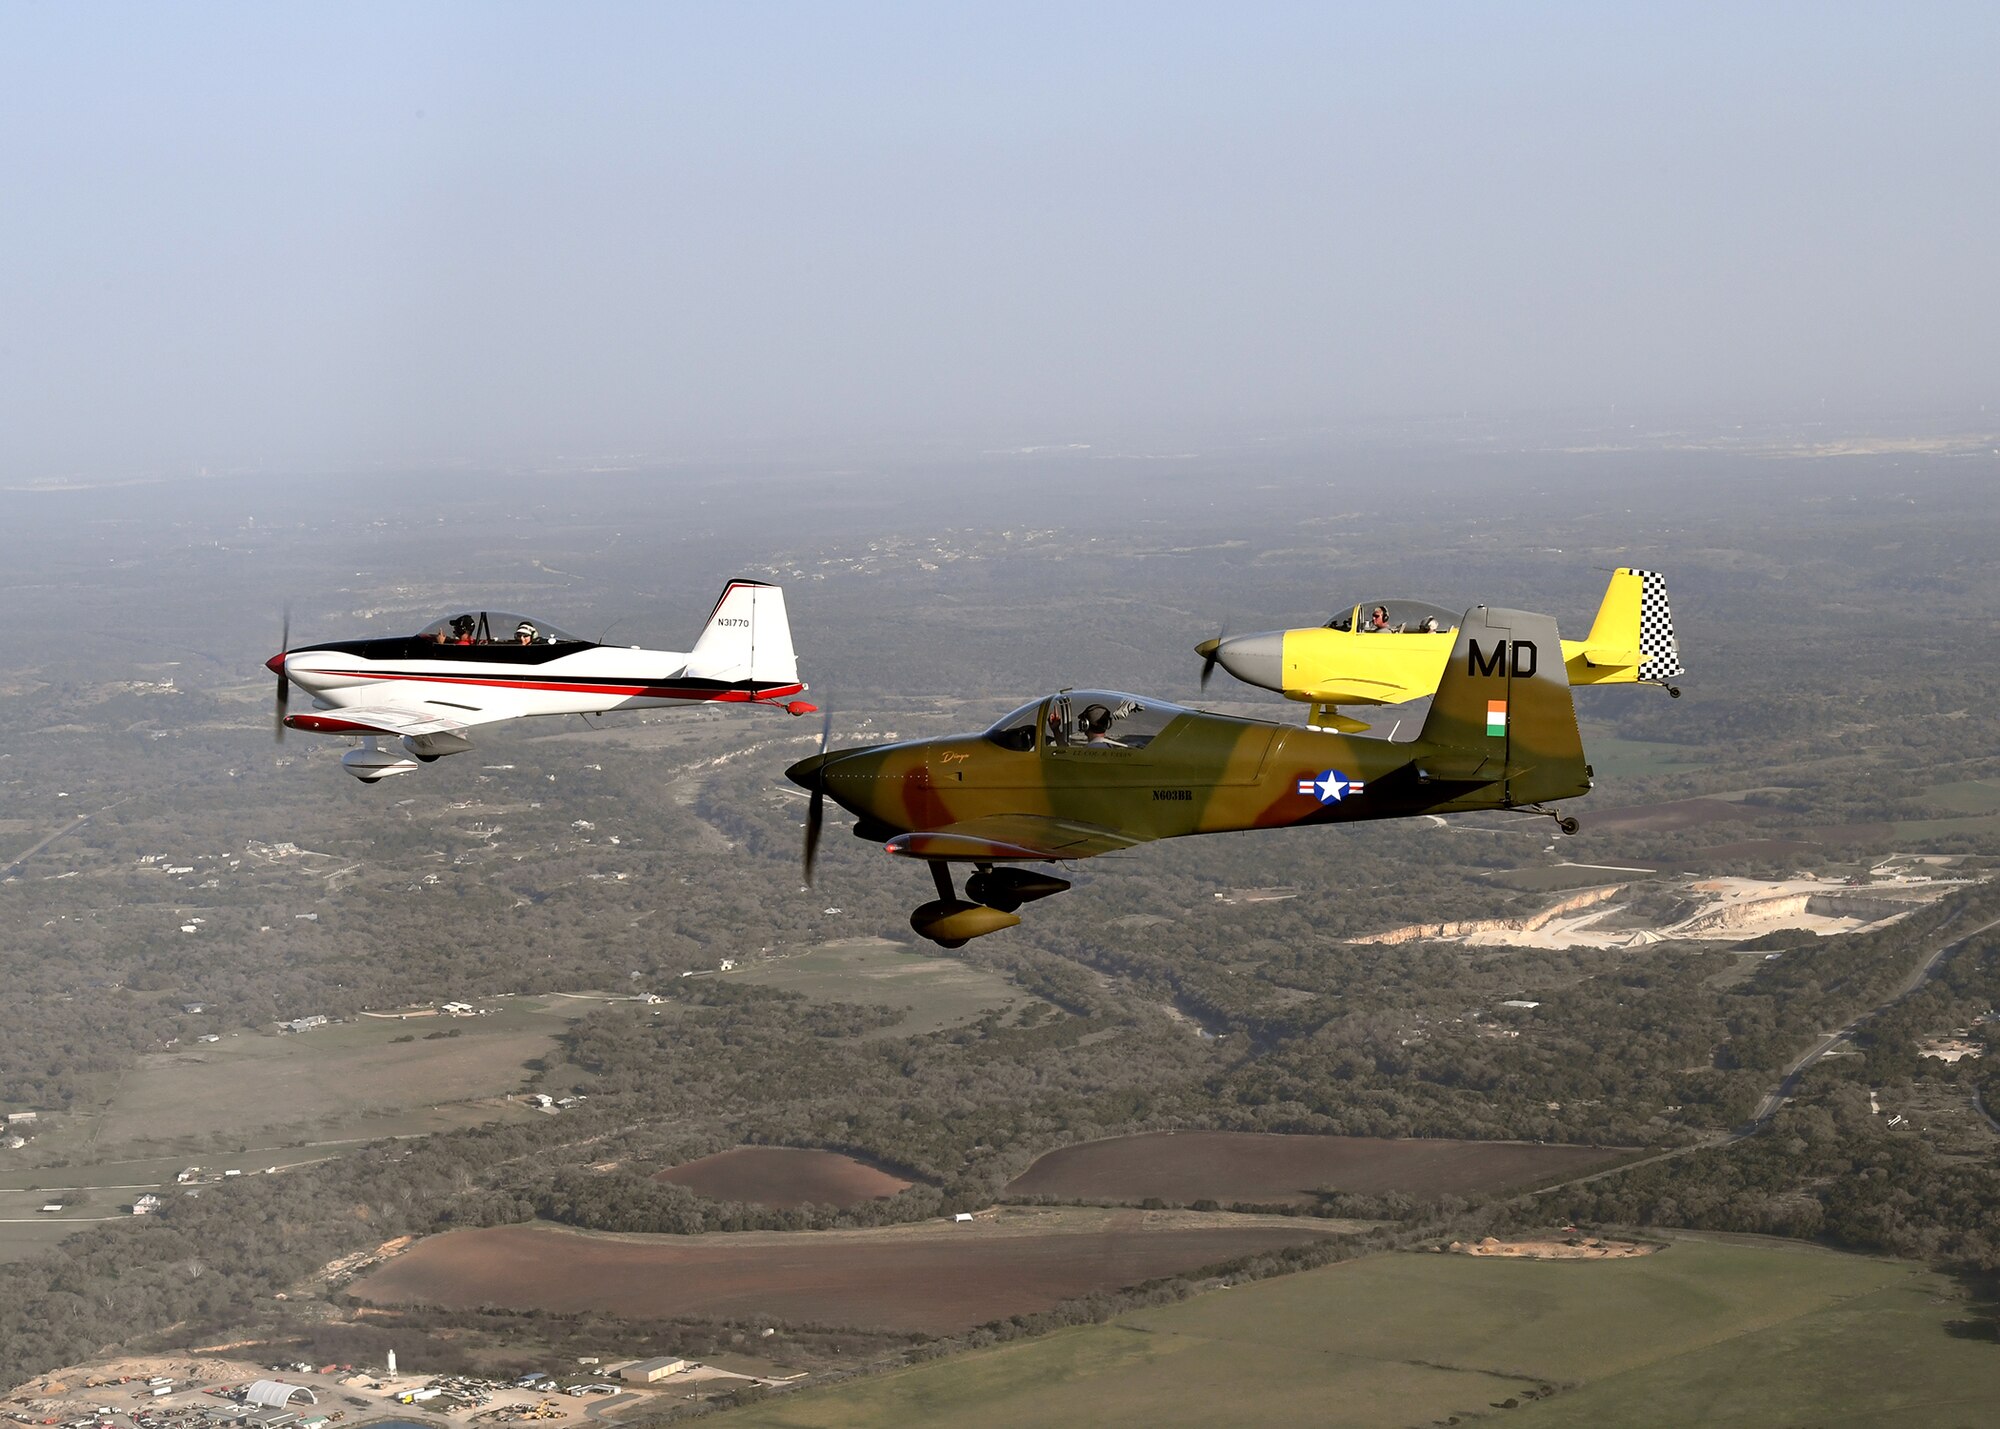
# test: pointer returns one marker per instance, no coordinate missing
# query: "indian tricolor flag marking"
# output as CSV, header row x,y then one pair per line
x,y
1496,718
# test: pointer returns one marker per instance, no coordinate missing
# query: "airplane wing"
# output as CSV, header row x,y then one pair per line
x,y
396,720
1003,838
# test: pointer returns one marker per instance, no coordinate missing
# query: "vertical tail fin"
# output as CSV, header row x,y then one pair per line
x,y
747,640
1503,711
1634,631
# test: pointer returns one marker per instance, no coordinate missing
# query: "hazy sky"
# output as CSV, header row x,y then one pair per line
x,y
307,236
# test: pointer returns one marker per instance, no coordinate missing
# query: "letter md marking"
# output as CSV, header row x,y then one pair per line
x,y
1517,658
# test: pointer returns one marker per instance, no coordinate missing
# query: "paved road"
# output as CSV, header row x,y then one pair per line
x,y
1783,1092
1788,1085
9,870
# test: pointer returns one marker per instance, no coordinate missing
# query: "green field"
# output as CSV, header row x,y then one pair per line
x,y
939,992
1614,758
1969,796
1564,876
1711,1331
347,1082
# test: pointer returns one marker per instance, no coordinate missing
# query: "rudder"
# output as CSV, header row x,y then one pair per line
x,y
1659,656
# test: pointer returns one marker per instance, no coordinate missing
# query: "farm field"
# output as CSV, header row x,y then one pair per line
x,y
1617,759
1968,796
1676,814
784,1177
931,1278
1267,1168
1712,1331
347,1079
939,992
1561,877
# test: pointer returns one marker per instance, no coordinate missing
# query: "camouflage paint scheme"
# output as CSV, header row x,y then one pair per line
x,y
1161,771
1345,663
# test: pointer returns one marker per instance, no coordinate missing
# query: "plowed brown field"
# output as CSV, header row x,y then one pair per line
x,y
935,1278
1676,814
784,1177
1266,1169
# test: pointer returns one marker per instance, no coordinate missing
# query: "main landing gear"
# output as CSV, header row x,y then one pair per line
x,y
992,895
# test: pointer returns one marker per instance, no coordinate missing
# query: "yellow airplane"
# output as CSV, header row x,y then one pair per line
x,y
1383,652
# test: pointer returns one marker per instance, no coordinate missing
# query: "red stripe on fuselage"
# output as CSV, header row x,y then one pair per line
x,y
628,690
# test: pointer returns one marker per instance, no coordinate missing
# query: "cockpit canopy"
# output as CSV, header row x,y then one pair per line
x,y
1402,617
495,627
1085,719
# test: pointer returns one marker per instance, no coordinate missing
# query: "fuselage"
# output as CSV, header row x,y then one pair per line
x,y
572,678
1348,667
1200,773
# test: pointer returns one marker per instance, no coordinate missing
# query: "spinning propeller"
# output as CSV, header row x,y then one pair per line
x,y
816,805
1209,650
284,685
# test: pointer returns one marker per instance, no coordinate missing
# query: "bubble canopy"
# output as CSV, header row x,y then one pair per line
x,y
1084,720
1404,616
495,627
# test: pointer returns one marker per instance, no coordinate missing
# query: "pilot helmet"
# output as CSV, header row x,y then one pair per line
x,y
462,624
526,631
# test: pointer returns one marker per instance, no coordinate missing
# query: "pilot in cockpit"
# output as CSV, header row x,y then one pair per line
x,y
1378,621
461,630
1094,724
525,633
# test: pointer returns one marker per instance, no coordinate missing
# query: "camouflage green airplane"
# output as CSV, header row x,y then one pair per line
x,y
1088,772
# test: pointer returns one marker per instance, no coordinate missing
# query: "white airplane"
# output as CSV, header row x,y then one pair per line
x,y
429,690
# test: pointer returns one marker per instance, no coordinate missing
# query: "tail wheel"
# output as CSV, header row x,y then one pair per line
x,y
1568,825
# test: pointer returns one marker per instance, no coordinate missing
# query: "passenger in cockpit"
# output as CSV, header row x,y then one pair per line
x,y
525,633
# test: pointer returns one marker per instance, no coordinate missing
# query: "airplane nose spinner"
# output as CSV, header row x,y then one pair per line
x,y
276,664
1255,659
805,773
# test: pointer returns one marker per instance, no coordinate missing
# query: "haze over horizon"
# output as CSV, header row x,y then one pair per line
x,y
245,237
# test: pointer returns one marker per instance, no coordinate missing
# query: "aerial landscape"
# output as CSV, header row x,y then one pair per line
x,y
1519,1041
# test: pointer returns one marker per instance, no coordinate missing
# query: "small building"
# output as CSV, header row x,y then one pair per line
x,y
20,1118
51,1208
1522,1003
276,1394
1950,1049
146,1204
962,1217
651,1371
186,1175
192,1008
